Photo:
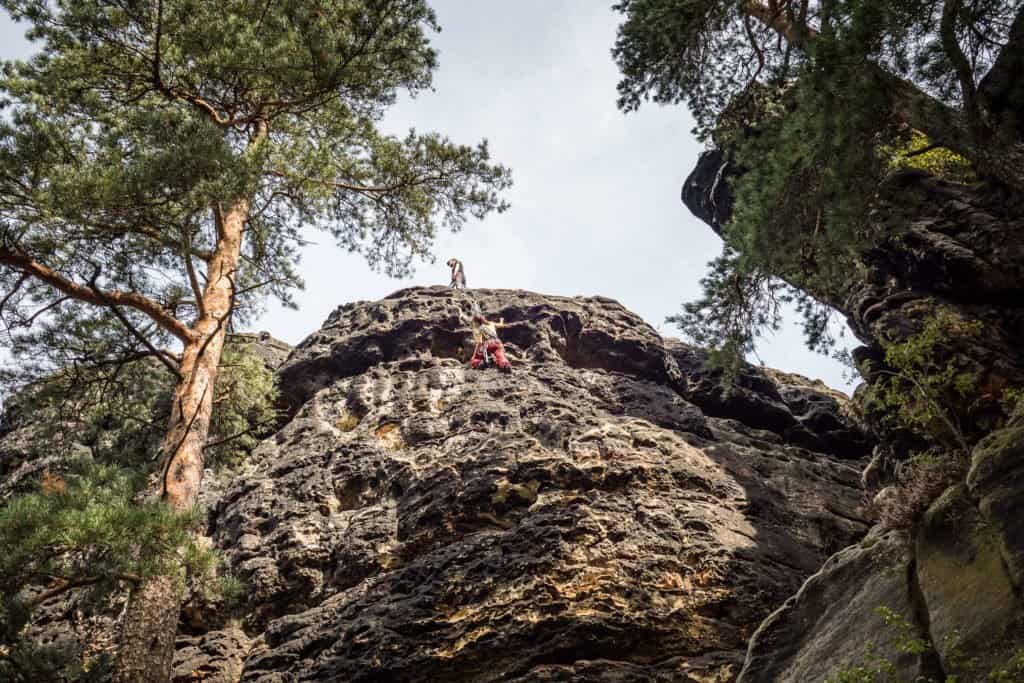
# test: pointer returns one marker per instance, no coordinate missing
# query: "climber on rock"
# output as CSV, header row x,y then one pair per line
x,y
488,346
458,274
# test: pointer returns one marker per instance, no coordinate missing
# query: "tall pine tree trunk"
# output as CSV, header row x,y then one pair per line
x,y
151,620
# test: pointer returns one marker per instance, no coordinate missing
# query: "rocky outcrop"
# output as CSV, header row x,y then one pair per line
x,y
859,611
941,246
945,600
273,352
604,513
975,614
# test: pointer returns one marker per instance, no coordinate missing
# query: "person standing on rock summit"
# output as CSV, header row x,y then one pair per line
x,y
458,274
488,346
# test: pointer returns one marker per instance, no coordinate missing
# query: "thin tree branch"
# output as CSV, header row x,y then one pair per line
x,y
964,74
955,431
244,432
186,255
155,235
65,585
167,362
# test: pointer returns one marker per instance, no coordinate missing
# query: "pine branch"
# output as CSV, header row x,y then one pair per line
x,y
248,430
167,362
964,74
186,255
64,585
25,264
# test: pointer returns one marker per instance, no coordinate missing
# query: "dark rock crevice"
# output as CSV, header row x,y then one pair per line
x,y
930,664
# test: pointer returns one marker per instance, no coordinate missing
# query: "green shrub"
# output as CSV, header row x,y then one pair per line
x,y
926,387
83,529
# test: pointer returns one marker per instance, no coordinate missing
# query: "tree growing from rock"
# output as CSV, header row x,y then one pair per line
x,y
160,161
816,100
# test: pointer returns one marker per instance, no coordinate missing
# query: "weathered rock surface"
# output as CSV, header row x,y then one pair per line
x,y
995,482
604,513
941,247
835,622
975,613
601,514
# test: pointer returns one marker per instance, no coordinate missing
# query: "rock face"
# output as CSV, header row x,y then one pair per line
x,y
946,599
837,621
604,513
946,247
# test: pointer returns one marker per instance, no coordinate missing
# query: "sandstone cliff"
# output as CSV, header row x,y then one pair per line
x,y
951,586
604,513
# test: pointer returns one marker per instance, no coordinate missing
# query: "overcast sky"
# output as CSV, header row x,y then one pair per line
x,y
595,205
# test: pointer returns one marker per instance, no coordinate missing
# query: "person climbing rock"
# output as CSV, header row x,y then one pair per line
x,y
488,346
458,273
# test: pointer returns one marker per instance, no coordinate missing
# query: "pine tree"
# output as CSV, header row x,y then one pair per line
x,y
815,100
159,161
941,67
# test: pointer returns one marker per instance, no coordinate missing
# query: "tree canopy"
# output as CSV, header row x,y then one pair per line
x,y
815,100
133,129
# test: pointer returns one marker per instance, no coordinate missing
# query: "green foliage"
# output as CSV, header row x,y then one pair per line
x,y
874,668
133,124
917,151
815,102
26,662
737,300
671,51
1012,400
85,529
907,639
136,128
1013,672
798,219
117,412
925,388
705,53
742,302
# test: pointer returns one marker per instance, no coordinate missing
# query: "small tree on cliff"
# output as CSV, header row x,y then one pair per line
x,y
816,100
159,161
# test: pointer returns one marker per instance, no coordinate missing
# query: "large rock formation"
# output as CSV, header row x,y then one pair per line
x,y
604,513
945,598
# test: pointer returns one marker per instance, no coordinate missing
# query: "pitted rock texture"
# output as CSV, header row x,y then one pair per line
x,y
582,519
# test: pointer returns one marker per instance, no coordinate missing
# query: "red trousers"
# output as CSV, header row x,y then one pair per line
x,y
495,350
